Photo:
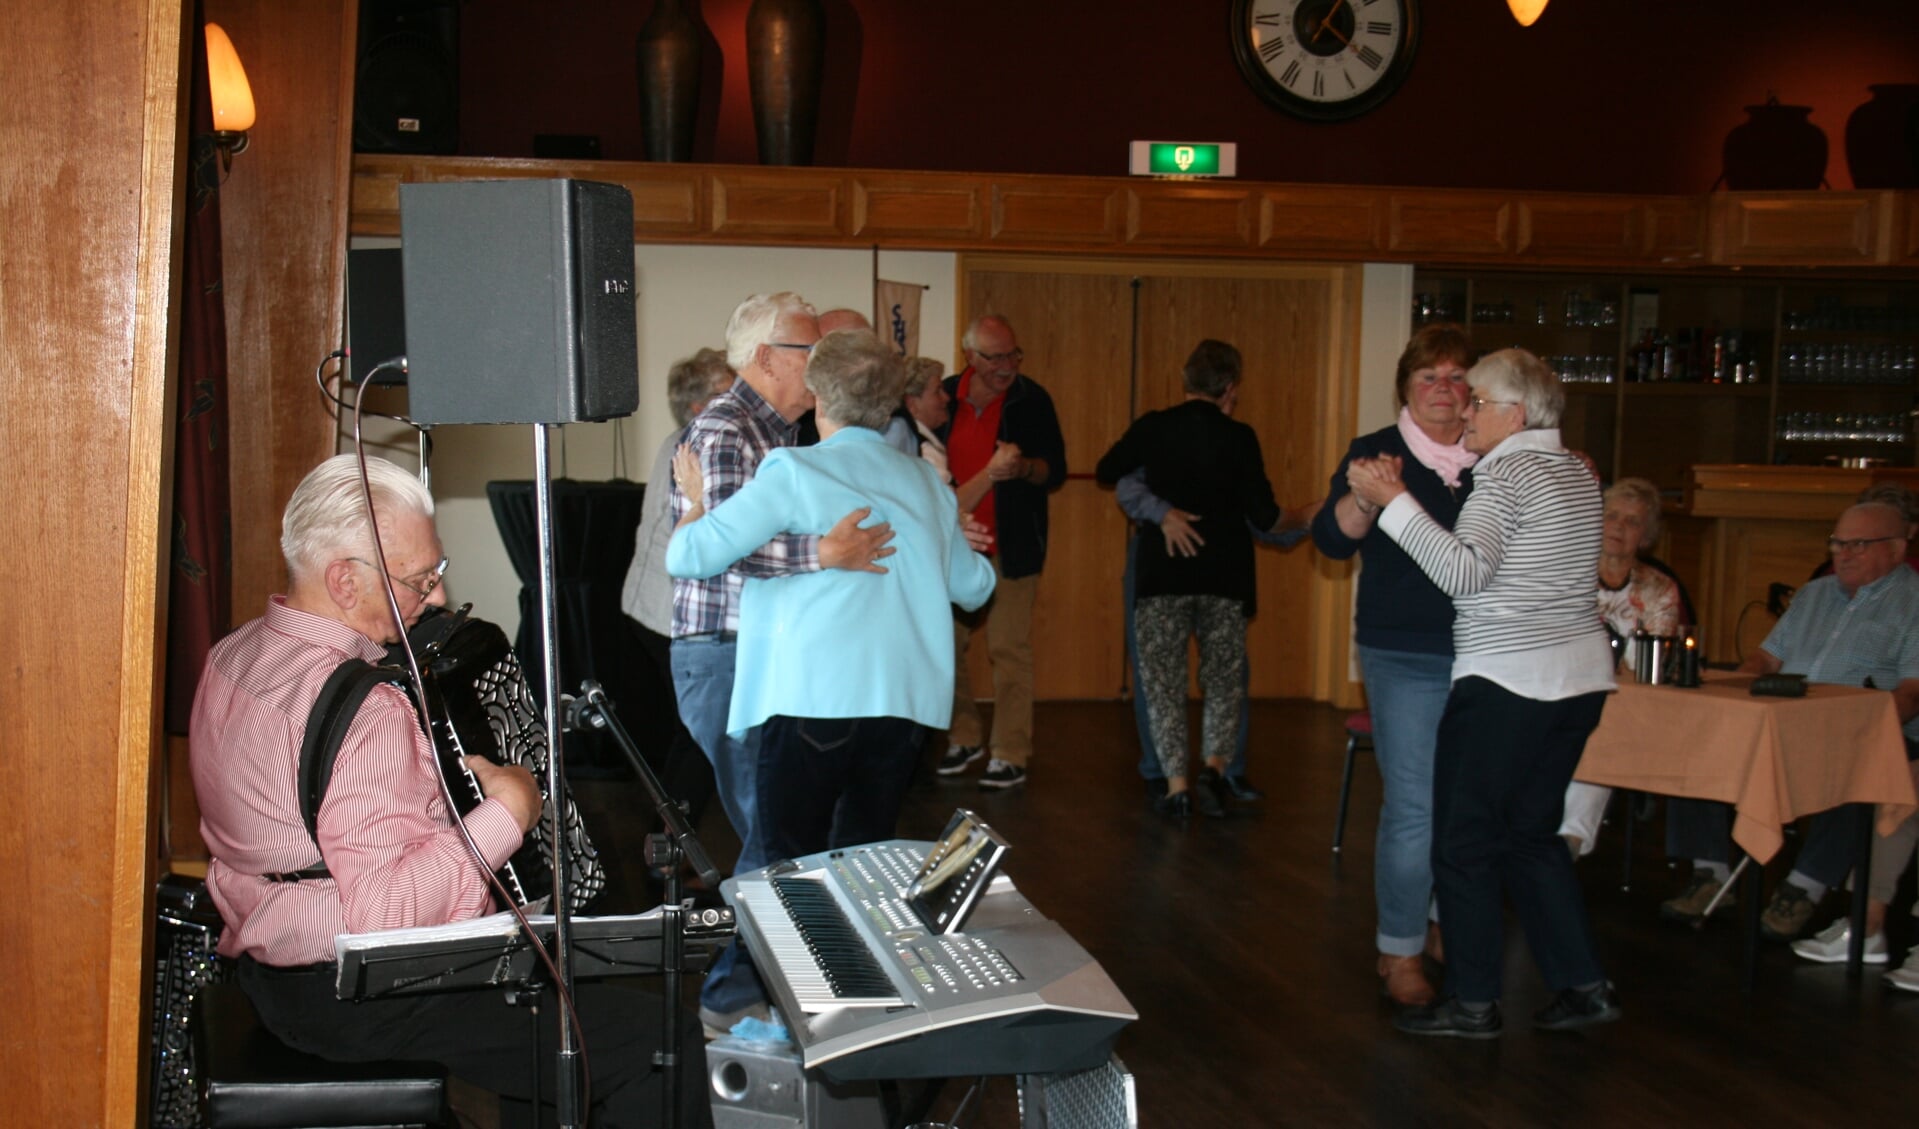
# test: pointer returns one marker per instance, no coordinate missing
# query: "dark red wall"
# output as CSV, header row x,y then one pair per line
x,y
1600,95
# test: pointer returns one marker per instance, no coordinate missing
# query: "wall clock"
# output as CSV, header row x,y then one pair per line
x,y
1325,60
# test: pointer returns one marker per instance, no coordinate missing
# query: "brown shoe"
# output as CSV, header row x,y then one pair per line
x,y
1435,943
1403,979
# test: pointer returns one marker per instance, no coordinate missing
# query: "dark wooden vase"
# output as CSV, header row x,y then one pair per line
x,y
785,59
668,52
1776,148
1882,138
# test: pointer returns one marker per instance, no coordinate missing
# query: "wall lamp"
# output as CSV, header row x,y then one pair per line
x,y
1526,11
232,97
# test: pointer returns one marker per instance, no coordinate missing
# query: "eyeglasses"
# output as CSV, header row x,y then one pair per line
x,y
433,578
1015,354
807,349
1480,405
1854,544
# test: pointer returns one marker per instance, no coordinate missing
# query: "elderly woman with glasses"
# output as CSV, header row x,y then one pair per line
x,y
1633,596
1403,631
1531,671
845,670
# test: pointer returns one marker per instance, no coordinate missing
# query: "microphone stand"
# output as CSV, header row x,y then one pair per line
x,y
666,852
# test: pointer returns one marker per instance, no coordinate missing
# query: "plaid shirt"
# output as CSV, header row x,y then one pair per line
x,y
737,430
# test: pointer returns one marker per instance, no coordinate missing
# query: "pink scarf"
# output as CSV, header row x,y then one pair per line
x,y
1444,459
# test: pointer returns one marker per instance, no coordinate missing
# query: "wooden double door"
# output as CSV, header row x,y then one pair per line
x,y
1108,339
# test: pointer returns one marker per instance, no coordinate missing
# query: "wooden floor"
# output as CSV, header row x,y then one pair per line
x,y
1247,947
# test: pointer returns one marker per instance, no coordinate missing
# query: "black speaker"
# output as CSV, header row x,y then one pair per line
x,y
406,95
519,301
375,315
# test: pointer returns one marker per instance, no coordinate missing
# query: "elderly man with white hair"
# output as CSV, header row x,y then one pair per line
x,y
768,341
843,673
385,851
1858,626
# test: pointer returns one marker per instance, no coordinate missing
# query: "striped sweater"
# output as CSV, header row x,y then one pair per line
x,y
1521,563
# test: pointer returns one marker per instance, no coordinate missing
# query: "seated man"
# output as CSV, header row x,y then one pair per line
x,y
393,855
1857,627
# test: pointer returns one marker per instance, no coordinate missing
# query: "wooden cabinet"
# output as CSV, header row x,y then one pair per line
x,y
1663,374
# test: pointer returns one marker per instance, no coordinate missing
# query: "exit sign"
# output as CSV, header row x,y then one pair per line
x,y
1184,158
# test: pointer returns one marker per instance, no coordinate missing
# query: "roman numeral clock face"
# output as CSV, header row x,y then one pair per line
x,y
1325,60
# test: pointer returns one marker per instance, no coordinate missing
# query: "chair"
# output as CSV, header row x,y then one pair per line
x,y
1359,735
254,1081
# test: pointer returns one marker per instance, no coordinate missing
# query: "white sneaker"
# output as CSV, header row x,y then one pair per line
x,y
1906,976
1833,944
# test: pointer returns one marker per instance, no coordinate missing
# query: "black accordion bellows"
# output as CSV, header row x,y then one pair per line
x,y
481,705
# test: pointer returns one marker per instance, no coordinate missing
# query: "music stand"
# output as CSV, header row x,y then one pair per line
x,y
492,952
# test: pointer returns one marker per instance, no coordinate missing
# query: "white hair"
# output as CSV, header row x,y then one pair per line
x,y
1516,376
856,378
755,322
969,340
326,517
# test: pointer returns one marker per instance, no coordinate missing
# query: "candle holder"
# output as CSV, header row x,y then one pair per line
x,y
1687,659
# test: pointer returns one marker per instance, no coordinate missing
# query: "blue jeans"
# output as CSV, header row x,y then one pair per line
x,y
1406,691
703,682
1148,752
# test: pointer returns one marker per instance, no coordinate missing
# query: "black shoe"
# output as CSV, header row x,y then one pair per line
x,y
1206,789
1175,805
957,757
1448,1019
1155,788
1000,775
1579,1007
1241,788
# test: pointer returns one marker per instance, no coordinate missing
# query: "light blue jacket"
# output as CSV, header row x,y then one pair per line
x,y
835,643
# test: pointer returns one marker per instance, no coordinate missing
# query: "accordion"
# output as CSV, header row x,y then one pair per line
x,y
480,704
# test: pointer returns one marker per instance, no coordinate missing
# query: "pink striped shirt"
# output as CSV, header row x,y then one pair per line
x,y
397,858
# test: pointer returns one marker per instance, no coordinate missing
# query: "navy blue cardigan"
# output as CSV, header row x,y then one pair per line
x,y
1399,608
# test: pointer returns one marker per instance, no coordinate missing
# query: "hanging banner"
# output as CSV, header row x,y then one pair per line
x,y
899,320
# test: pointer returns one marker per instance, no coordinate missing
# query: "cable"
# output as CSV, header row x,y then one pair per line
x,y
1738,629
446,789
337,407
960,1109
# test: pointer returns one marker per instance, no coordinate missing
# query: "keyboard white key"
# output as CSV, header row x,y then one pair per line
x,y
811,984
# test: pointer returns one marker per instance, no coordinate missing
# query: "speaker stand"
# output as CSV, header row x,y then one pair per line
x,y
568,1062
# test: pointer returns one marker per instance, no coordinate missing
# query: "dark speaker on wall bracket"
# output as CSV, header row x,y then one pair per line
x,y
519,301
375,315
406,93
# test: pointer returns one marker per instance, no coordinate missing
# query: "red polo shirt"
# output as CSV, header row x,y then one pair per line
x,y
971,442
